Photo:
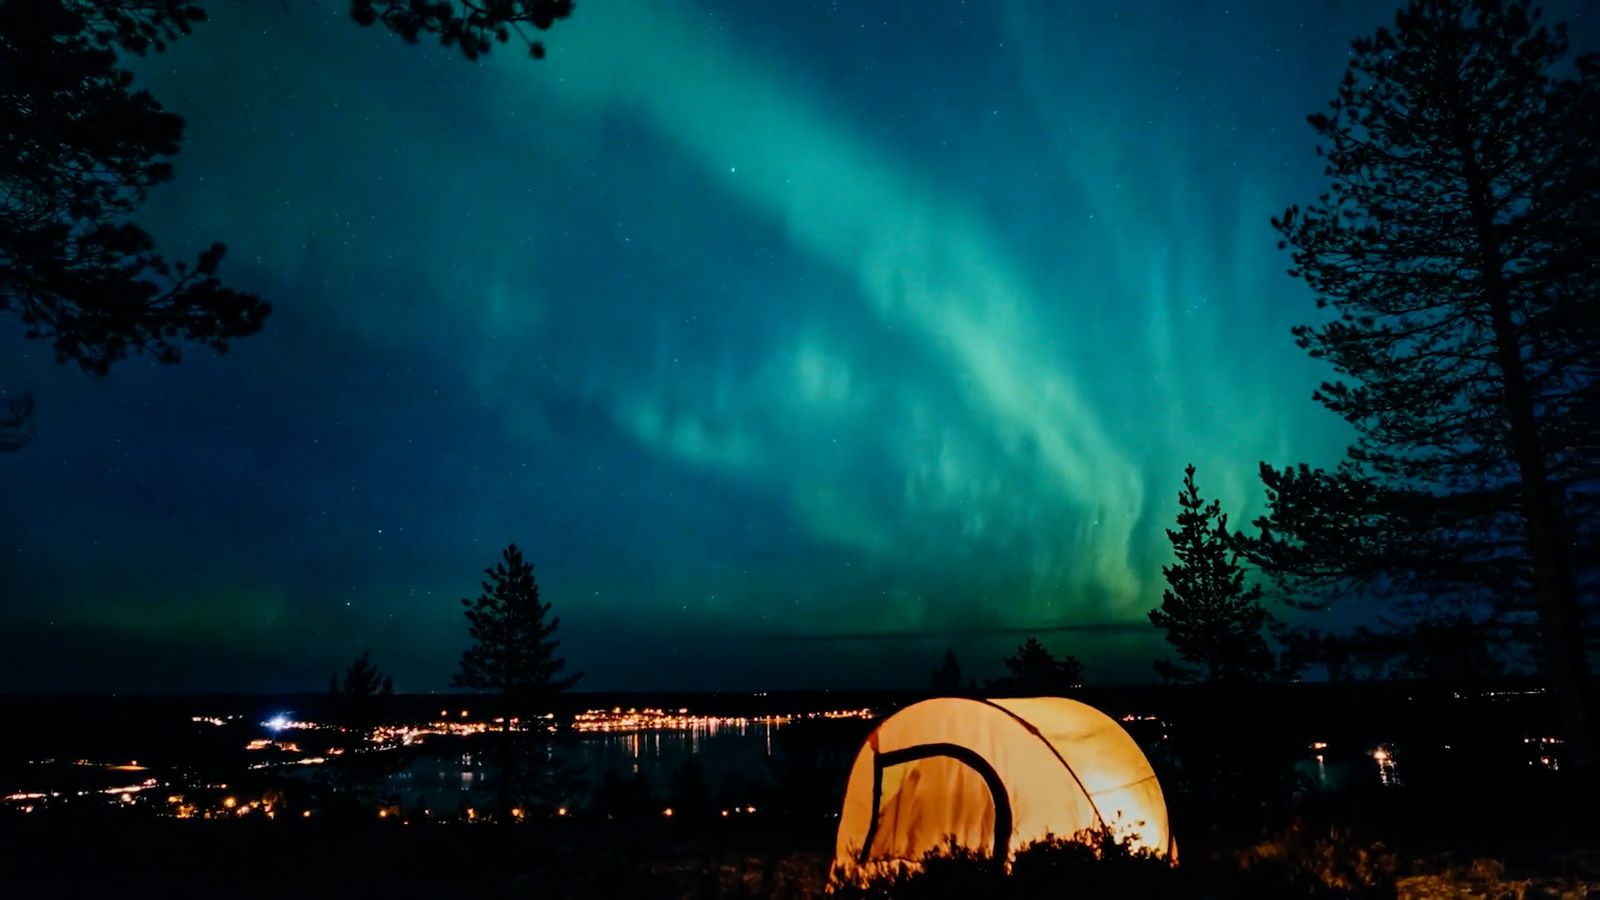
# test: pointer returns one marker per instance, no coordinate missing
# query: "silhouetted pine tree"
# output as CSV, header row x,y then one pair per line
x,y
1209,615
513,654
361,772
1304,648
1459,247
360,702
1033,669
1171,673
1451,651
947,677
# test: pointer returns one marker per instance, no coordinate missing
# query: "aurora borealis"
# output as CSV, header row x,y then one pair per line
x,y
793,342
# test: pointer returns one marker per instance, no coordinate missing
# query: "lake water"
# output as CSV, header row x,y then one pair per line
x,y
743,754
735,752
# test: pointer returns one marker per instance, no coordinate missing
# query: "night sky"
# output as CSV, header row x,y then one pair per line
x,y
793,342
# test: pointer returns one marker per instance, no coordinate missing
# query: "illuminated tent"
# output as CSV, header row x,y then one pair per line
x,y
995,775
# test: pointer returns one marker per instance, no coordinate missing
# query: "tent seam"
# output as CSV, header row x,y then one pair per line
x,y
1118,787
1059,758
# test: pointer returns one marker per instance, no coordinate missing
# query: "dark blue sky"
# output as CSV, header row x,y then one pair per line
x,y
752,323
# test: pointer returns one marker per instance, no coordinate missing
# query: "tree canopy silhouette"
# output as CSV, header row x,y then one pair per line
x,y
1209,615
514,647
473,26
359,701
1457,249
360,774
947,677
1033,669
80,148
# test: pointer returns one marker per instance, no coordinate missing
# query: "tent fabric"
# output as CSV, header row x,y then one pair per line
x,y
995,775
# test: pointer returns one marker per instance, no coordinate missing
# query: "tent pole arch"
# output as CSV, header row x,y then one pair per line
x,y
964,755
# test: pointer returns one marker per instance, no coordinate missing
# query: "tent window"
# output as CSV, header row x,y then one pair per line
x,y
963,755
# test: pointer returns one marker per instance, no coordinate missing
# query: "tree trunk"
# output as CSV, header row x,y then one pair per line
x,y
504,812
1560,621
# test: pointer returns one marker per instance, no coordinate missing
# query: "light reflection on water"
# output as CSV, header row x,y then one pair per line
x,y
1327,768
742,751
730,752
1387,775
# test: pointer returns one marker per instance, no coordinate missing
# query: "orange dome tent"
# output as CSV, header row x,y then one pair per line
x,y
995,775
